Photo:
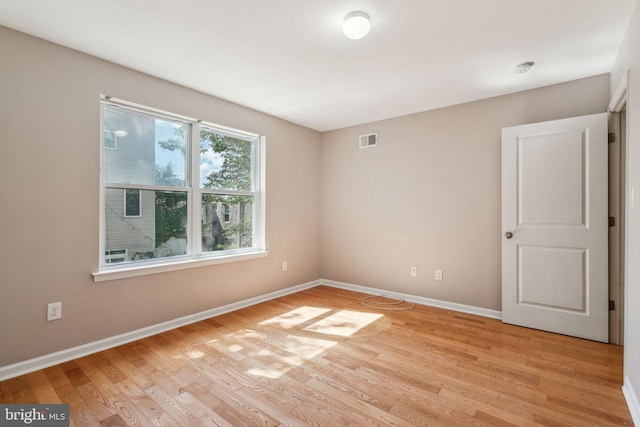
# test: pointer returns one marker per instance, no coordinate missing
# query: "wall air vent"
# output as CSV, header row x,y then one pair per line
x,y
369,140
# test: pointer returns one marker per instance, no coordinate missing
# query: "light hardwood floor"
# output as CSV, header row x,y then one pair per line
x,y
320,358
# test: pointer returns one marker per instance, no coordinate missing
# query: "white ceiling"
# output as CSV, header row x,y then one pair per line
x,y
290,59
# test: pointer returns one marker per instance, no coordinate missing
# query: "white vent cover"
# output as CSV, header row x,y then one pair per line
x,y
369,140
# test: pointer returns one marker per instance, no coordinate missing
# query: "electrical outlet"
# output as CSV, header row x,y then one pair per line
x,y
413,271
438,274
285,266
54,311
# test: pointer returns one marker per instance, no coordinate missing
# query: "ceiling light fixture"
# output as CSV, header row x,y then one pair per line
x,y
524,67
356,25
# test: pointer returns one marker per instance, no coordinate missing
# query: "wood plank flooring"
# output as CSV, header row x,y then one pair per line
x,y
321,358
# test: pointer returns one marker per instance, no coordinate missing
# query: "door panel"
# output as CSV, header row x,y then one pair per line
x,y
554,191
551,173
552,277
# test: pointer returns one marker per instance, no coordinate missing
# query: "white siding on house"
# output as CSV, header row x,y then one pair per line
x,y
135,234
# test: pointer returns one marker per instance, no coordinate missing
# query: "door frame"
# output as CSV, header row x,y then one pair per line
x,y
618,208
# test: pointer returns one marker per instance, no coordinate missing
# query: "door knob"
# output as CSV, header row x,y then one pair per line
x,y
508,234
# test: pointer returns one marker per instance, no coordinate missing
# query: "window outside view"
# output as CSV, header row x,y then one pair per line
x,y
146,175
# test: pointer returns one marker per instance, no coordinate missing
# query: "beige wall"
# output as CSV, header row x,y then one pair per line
x,y
629,59
49,181
429,195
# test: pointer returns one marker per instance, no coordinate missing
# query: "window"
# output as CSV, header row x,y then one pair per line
x,y
132,206
227,213
116,255
109,140
179,176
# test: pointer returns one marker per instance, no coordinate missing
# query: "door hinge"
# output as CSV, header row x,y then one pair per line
x,y
612,221
612,305
612,138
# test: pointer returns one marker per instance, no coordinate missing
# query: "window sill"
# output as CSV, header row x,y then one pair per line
x,y
143,270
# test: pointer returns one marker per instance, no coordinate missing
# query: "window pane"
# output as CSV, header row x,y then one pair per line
x,y
143,149
226,222
226,163
132,203
161,230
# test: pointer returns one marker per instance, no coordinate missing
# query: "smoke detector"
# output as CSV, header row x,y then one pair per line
x,y
524,67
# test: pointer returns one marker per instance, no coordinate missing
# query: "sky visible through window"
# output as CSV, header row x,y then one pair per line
x,y
209,161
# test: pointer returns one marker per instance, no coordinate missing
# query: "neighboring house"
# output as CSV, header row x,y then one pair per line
x,y
130,231
218,217
129,225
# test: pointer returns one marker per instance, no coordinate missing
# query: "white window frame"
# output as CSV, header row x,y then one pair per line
x,y
195,257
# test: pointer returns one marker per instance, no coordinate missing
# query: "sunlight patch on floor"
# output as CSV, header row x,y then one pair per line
x,y
344,323
306,347
301,349
299,345
195,354
234,348
295,317
246,334
272,373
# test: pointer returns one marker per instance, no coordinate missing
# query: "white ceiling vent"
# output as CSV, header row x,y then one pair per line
x,y
369,140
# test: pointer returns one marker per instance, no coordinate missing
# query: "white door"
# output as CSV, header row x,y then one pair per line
x,y
555,225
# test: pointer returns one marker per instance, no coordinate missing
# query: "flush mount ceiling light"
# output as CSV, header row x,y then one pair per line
x,y
524,67
356,25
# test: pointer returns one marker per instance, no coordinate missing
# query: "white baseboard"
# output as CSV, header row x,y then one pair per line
x,y
632,401
485,312
21,368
